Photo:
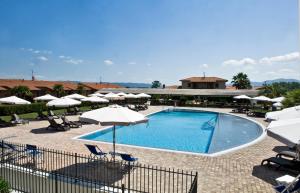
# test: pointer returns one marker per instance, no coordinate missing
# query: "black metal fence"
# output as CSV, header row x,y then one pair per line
x,y
51,171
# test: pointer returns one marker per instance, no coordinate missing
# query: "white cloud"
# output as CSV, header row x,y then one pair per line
x,y
290,57
120,73
242,62
36,51
149,64
108,62
204,65
42,58
132,63
73,61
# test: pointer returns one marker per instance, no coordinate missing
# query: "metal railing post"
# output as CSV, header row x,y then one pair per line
x,y
123,188
76,168
128,186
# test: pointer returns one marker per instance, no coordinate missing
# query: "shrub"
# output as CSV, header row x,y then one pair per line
x,y
22,109
4,186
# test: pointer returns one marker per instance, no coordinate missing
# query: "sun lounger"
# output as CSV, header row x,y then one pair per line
x,y
51,114
279,162
294,186
125,157
57,126
33,152
95,151
288,154
72,124
4,123
16,120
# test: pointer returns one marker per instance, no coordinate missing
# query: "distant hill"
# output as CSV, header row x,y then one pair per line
x,y
273,81
132,85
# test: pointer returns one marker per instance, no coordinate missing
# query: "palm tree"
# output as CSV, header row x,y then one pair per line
x,y
58,89
80,88
241,81
21,91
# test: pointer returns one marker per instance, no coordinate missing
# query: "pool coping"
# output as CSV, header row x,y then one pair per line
x,y
258,139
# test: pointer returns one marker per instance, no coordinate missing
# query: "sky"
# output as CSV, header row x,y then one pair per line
x,y
146,40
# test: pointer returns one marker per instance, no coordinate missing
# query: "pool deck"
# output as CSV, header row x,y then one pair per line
x,y
237,171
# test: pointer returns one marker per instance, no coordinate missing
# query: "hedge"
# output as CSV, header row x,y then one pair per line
x,y
4,186
22,109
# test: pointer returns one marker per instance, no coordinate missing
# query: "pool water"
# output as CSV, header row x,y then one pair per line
x,y
184,130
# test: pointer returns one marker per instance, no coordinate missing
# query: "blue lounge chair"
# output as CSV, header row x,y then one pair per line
x,y
128,158
292,187
95,151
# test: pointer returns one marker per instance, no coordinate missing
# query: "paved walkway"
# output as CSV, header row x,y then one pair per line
x,y
238,171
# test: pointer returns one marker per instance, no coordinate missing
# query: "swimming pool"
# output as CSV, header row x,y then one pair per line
x,y
184,130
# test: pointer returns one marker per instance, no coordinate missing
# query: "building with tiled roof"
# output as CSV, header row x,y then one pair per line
x,y
41,87
203,83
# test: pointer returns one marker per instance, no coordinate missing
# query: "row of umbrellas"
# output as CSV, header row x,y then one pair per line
x,y
75,99
277,101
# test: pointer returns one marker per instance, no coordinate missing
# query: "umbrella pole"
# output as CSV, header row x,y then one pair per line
x,y
114,142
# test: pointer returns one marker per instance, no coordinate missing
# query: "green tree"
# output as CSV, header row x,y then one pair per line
x,y
278,88
156,84
58,89
21,91
80,88
241,81
292,98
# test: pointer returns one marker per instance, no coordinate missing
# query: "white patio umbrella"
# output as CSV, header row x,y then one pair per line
x,y
131,96
63,102
262,98
121,94
112,96
278,104
288,113
278,99
97,95
143,95
75,96
46,97
242,97
14,100
95,99
113,115
286,131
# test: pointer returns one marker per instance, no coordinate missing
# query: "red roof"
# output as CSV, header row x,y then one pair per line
x,y
204,79
42,84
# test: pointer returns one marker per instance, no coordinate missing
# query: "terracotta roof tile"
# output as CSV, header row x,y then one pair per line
x,y
204,79
42,84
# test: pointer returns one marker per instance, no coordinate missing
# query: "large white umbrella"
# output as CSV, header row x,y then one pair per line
x,y
288,113
14,100
262,98
75,96
97,95
278,99
112,96
113,115
242,97
143,95
131,96
63,102
46,97
95,99
277,104
286,131
121,94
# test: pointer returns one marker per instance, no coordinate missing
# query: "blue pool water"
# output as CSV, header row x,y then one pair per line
x,y
182,130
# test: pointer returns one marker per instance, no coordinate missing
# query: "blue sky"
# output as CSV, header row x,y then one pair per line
x,y
145,40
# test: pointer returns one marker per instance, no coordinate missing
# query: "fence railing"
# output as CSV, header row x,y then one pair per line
x,y
52,171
